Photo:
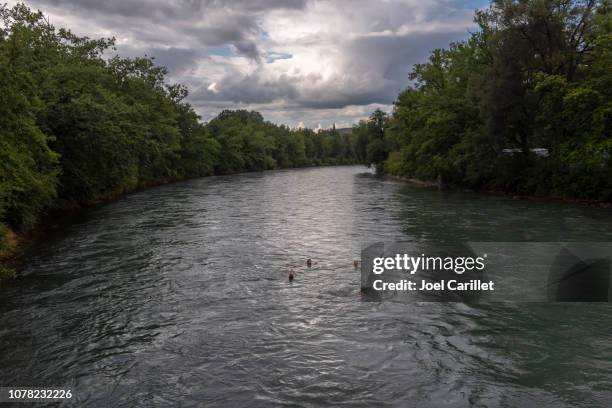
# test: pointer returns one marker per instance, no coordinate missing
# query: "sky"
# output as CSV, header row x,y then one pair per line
x,y
309,63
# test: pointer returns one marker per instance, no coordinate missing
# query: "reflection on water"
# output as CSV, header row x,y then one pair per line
x,y
180,293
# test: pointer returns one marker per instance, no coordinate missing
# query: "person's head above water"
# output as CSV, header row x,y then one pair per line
x,y
291,276
309,262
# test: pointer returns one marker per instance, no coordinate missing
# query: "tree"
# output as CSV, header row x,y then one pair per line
x,y
371,145
535,75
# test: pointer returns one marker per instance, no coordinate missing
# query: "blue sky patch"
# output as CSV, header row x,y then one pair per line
x,y
223,51
273,56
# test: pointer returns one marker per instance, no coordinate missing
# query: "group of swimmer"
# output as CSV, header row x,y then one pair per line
x,y
292,272
309,264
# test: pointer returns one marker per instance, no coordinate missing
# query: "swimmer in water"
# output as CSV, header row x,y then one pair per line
x,y
309,263
291,275
355,264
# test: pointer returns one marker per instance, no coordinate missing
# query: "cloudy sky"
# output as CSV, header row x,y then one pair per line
x,y
298,62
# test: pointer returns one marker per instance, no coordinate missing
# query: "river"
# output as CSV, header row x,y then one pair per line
x,y
179,294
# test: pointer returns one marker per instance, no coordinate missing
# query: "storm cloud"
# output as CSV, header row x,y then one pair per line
x,y
306,62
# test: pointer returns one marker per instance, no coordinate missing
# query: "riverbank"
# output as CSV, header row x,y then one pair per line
x,y
501,193
16,244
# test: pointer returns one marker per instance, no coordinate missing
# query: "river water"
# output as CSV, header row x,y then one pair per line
x,y
178,295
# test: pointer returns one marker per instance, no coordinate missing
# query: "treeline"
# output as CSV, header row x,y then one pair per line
x,y
245,142
77,127
524,105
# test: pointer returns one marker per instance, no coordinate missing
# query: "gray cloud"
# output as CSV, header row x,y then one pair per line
x,y
248,89
163,9
255,6
377,69
177,60
208,23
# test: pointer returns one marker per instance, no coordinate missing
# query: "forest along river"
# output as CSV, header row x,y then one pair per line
x,y
180,292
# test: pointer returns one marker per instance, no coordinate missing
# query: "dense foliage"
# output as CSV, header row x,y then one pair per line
x,y
76,127
536,74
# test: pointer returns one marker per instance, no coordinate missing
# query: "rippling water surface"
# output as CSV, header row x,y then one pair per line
x,y
179,294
